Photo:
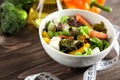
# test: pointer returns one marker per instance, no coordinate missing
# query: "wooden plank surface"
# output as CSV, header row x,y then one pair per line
x,y
23,54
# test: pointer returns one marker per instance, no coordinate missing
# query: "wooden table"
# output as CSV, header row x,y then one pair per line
x,y
23,54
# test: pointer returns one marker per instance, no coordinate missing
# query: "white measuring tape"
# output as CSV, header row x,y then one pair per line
x,y
90,73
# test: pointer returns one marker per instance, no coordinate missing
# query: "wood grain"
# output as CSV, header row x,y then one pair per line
x,y
23,54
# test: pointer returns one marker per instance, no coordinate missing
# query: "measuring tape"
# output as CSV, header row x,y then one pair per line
x,y
90,73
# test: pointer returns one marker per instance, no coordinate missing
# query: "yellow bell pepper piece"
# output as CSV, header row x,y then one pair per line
x,y
45,34
81,50
46,39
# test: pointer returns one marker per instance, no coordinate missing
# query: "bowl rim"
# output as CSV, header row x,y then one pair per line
x,y
61,53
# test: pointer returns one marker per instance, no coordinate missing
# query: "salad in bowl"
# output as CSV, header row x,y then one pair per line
x,y
75,35
76,38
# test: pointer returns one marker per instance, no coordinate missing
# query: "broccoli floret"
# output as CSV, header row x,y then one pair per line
x,y
12,19
25,4
16,2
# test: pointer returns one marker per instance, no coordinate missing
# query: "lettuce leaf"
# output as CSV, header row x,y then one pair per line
x,y
95,42
64,19
88,51
106,44
84,30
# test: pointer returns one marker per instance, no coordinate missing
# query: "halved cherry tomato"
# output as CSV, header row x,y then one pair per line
x,y
82,20
97,34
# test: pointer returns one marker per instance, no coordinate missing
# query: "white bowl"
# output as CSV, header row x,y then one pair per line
x,y
74,60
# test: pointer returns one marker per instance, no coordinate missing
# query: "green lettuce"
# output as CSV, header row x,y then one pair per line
x,y
84,30
64,19
96,42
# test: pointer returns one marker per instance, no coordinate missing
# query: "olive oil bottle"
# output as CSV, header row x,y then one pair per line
x,y
35,18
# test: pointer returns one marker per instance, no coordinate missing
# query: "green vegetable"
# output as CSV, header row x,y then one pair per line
x,y
79,54
67,45
102,44
64,19
88,51
99,27
51,26
62,33
51,33
25,4
12,19
84,30
96,42
106,44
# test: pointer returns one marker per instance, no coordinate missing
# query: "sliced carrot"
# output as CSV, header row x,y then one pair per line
x,y
82,20
97,34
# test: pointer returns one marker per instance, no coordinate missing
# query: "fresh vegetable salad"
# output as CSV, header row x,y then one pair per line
x,y
75,35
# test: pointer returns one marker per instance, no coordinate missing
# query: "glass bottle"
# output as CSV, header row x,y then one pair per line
x,y
35,18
